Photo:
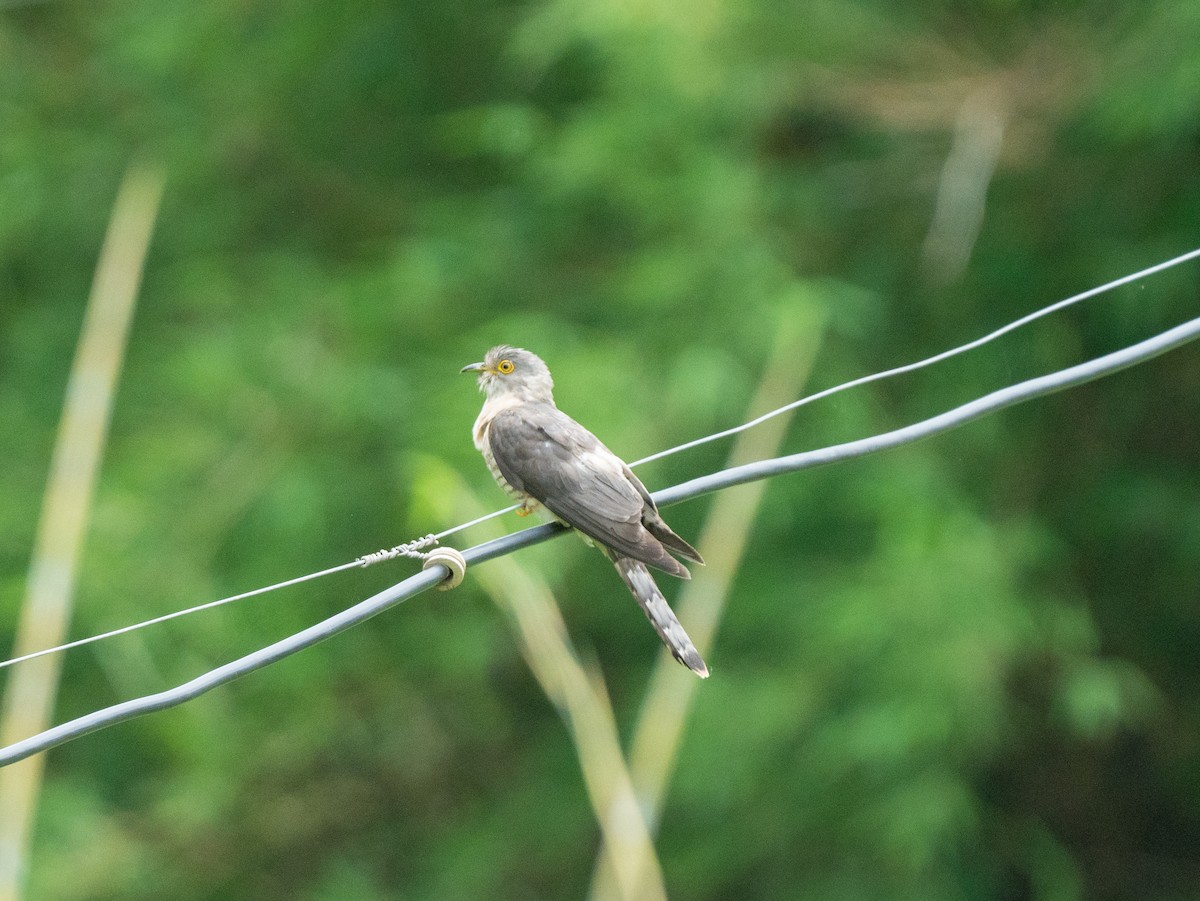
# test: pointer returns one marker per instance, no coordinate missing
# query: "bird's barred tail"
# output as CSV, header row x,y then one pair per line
x,y
641,584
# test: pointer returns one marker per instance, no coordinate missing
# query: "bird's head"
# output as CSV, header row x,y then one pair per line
x,y
511,371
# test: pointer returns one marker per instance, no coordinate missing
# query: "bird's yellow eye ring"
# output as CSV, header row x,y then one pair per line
x,y
504,367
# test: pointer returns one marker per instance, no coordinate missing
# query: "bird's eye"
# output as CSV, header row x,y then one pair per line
x,y
504,367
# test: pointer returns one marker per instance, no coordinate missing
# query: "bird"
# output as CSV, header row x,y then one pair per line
x,y
544,458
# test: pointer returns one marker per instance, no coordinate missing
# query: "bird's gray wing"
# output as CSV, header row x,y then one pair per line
x,y
543,452
655,524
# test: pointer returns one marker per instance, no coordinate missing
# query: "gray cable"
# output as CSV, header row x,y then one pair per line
x,y
989,403
997,400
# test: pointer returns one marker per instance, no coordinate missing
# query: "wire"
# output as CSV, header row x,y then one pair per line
x,y
936,358
410,549
396,594
177,613
990,403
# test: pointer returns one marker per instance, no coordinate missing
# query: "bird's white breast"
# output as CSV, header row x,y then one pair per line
x,y
492,408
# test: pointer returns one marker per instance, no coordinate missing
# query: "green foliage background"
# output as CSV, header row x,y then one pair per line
x,y
965,669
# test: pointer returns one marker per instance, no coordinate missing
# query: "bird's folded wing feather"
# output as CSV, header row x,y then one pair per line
x,y
543,452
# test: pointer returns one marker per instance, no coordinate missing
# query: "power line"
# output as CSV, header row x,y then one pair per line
x,y
411,548
997,400
938,357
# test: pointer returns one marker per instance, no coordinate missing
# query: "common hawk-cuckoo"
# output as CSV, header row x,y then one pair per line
x,y
541,456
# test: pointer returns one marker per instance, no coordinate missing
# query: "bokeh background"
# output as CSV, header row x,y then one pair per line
x,y
966,668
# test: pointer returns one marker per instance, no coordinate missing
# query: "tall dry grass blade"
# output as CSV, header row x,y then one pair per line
x,y
579,696
29,698
661,721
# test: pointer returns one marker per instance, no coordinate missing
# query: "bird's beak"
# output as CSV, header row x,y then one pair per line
x,y
474,367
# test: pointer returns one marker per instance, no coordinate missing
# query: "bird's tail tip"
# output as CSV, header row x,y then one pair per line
x,y
691,658
642,586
